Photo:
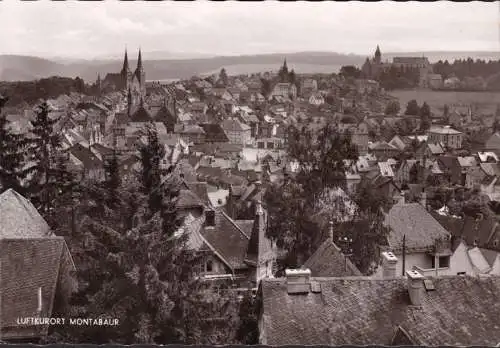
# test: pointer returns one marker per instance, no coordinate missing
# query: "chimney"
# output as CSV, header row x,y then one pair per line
x,y
298,281
209,218
415,285
389,262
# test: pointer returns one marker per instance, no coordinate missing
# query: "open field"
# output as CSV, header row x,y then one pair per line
x,y
437,99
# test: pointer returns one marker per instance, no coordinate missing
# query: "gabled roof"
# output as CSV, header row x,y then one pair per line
x,y
420,228
188,199
19,218
227,238
83,154
200,189
26,266
214,133
234,125
462,310
329,261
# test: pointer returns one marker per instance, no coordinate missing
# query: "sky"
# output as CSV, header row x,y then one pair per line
x,y
80,29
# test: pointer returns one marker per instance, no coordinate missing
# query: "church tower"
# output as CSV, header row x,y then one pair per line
x,y
125,73
141,75
378,56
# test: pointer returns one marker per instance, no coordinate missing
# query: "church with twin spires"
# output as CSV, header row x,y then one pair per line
x,y
132,82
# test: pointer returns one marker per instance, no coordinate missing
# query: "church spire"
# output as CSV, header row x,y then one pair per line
x,y
125,62
378,55
139,61
285,67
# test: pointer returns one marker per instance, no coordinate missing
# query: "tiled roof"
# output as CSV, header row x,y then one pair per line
x,y
233,125
227,238
246,226
329,261
200,189
420,228
462,311
26,266
19,218
188,199
89,160
214,133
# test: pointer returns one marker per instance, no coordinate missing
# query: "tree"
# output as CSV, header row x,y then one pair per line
x,y
248,330
412,108
425,115
42,152
113,179
350,71
223,77
144,276
367,228
151,172
293,204
11,154
266,88
392,108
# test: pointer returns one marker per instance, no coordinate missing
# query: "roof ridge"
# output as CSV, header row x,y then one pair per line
x,y
235,224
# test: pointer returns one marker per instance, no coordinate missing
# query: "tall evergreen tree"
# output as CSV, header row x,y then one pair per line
x,y
425,117
151,176
43,149
223,77
11,154
113,180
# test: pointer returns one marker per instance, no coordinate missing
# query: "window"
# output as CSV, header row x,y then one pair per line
x,y
461,273
444,261
208,266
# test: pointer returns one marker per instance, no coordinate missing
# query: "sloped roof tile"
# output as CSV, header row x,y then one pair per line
x,y
462,310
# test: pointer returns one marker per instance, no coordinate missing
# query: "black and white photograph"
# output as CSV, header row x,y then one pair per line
x,y
250,173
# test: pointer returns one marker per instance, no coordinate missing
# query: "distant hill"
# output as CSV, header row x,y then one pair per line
x,y
22,68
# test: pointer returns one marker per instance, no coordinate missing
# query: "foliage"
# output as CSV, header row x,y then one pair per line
x,y
425,115
113,179
11,154
398,78
266,88
462,68
367,229
350,71
142,275
293,204
412,108
32,91
43,150
151,172
223,77
248,330
392,108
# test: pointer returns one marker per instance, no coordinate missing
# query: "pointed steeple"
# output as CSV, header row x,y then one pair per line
x,y
139,61
260,252
125,63
284,64
378,55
